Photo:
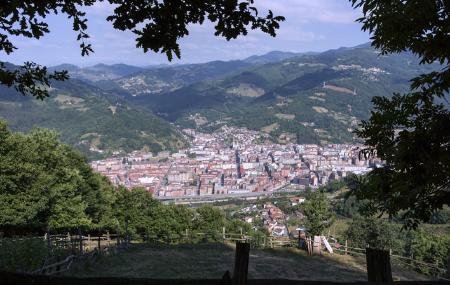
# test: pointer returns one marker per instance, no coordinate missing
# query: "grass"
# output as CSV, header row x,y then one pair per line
x,y
210,261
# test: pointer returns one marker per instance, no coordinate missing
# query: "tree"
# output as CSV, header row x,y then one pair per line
x,y
46,184
40,182
318,213
376,233
409,131
169,220
430,248
209,219
135,210
158,26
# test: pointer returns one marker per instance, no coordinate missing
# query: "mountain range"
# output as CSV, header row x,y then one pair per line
x,y
293,97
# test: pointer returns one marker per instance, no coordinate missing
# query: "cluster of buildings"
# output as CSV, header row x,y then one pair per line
x,y
274,220
233,161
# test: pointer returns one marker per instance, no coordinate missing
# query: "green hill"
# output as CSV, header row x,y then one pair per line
x,y
305,99
93,120
167,79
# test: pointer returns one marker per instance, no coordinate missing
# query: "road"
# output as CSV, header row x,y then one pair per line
x,y
218,197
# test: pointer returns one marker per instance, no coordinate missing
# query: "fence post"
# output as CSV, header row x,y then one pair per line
x,y
49,242
309,246
241,263
223,233
378,265
81,240
70,241
99,244
346,248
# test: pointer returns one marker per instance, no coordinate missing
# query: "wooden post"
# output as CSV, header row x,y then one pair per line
x,y
346,248
49,242
81,240
186,234
317,242
223,233
99,244
72,246
309,246
241,263
378,266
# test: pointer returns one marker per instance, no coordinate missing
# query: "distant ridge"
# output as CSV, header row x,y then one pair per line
x,y
269,57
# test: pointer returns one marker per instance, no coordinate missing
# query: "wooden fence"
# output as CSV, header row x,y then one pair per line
x,y
401,260
79,248
87,248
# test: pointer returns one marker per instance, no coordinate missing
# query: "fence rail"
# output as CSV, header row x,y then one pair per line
x,y
405,261
87,248
62,250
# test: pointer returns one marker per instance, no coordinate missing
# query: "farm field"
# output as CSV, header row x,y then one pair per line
x,y
210,261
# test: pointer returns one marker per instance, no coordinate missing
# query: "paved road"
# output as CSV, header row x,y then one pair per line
x,y
218,197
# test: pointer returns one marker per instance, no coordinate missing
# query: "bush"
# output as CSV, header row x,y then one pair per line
x,y
22,255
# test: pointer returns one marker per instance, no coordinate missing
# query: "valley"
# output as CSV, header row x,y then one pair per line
x,y
317,98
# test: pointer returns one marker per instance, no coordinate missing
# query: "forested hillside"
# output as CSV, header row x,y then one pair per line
x,y
303,98
95,121
308,98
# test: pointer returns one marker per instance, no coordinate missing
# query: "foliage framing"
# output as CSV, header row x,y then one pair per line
x,y
409,131
158,25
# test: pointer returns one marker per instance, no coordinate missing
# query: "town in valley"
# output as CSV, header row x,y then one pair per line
x,y
234,162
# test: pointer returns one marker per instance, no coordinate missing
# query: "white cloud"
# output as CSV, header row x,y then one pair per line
x,y
311,25
326,11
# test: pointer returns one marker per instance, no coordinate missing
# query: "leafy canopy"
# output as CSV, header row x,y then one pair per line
x,y
158,26
409,131
46,184
318,212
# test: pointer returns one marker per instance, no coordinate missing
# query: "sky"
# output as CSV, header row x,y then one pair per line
x,y
311,25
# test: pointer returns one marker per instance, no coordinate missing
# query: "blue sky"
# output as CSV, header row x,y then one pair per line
x,y
311,25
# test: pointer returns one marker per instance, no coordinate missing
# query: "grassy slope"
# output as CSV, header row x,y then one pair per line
x,y
210,261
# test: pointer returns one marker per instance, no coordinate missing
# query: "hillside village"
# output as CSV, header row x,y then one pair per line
x,y
233,161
